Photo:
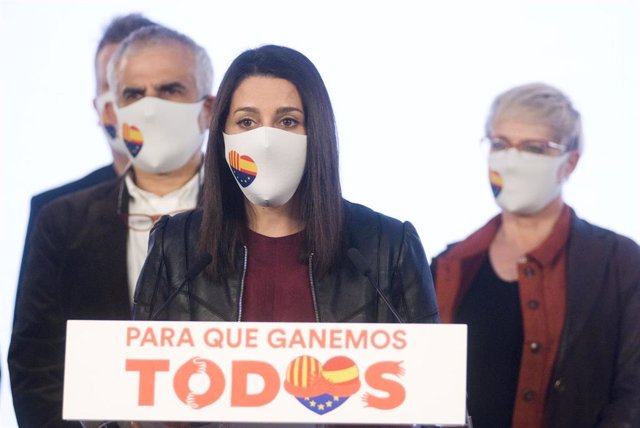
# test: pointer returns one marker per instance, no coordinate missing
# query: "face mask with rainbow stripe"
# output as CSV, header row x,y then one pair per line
x,y
524,183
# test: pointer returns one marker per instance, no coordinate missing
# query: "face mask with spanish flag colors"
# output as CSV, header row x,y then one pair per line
x,y
525,183
267,163
160,135
109,129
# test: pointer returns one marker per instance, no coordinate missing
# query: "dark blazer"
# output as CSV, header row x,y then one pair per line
x,y
40,200
596,378
76,269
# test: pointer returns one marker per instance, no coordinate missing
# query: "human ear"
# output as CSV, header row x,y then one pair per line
x,y
204,119
569,166
109,115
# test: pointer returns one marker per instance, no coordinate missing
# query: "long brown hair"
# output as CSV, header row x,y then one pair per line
x,y
319,193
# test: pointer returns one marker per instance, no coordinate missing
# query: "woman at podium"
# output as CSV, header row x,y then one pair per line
x,y
274,240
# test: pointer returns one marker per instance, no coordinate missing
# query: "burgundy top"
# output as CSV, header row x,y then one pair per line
x,y
277,286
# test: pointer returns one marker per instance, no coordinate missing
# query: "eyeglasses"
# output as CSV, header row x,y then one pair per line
x,y
538,147
139,222
143,222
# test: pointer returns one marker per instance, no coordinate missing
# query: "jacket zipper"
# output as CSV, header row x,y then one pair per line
x,y
244,272
313,289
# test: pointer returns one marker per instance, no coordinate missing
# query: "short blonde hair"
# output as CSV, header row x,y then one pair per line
x,y
540,103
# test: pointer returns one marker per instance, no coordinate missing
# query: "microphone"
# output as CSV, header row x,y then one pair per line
x,y
193,271
361,265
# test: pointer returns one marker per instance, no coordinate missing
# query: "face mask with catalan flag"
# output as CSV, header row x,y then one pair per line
x,y
267,163
160,135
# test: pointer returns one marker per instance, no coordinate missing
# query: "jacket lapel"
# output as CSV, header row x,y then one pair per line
x,y
109,240
586,272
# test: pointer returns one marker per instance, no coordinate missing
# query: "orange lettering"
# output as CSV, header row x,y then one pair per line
x,y
194,366
335,338
395,391
148,370
400,341
185,338
356,341
149,338
252,338
240,373
166,336
297,339
385,339
132,333
276,338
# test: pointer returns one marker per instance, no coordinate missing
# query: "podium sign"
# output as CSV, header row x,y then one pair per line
x,y
265,372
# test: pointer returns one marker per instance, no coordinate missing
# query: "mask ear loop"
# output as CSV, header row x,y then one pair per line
x,y
120,202
571,147
128,166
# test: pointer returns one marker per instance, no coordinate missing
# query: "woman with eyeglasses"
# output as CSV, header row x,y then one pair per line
x,y
552,303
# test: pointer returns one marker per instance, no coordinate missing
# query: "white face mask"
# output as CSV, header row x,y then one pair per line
x,y
110,132
525,183
267,163
160,135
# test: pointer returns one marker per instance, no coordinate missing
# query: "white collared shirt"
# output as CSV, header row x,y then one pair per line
x,y
143,202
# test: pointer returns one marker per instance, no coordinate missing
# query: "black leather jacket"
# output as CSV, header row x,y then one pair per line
x,y
390,248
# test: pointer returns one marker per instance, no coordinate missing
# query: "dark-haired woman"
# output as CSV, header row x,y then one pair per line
x,y
283,244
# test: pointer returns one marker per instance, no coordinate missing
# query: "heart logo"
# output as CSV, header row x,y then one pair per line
x,y
243,168
133,139
111,130
322,388
496,182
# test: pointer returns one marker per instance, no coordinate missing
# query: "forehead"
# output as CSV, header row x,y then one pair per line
x,y
266,92
102,59
518,129
154,64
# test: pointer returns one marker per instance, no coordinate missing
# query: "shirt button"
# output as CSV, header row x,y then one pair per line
x,y
528,395
533,304
535,347
528,272
559,385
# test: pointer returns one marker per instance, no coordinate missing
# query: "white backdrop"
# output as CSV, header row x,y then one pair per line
x,y
411,82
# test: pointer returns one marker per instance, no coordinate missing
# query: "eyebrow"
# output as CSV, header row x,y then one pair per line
x,y
280,110
246,109
283,110
129,90
170,86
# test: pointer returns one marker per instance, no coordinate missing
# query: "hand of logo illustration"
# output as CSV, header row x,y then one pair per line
x,y
375,378
322,388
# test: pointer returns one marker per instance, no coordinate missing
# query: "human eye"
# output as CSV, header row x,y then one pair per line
x,y
172,91
289,122
498,144
245,122
535,147
168,89
130,95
